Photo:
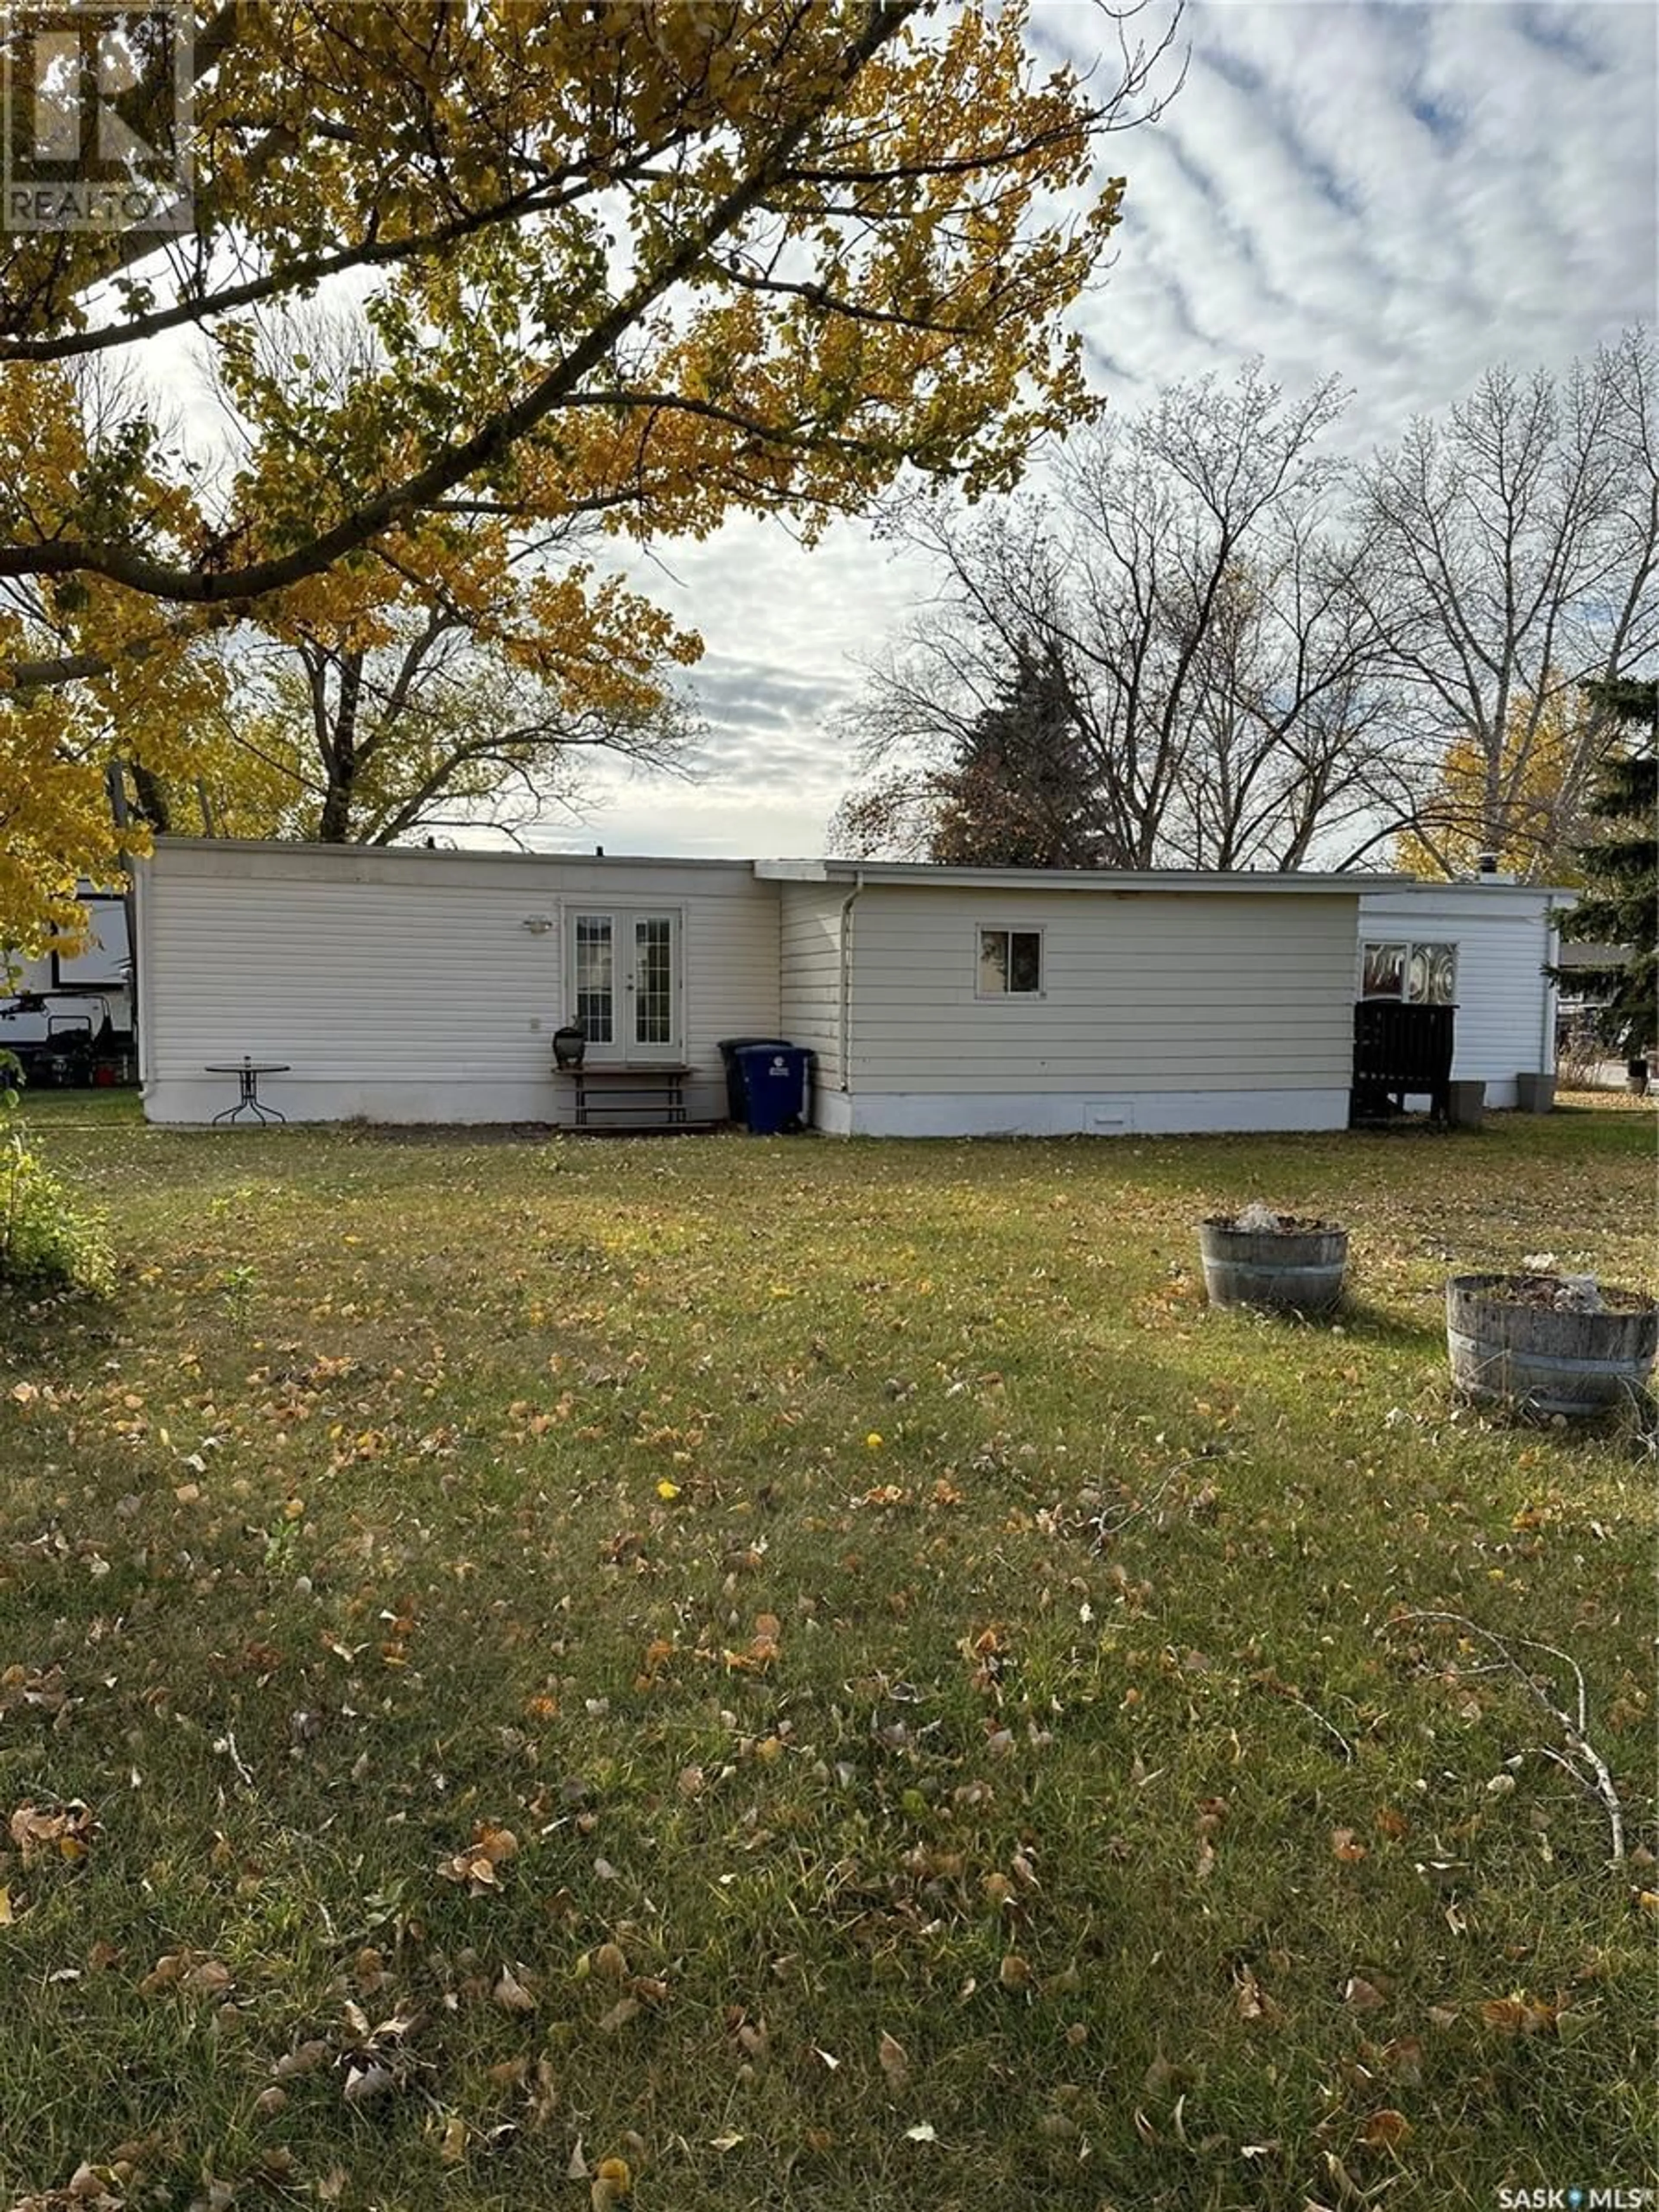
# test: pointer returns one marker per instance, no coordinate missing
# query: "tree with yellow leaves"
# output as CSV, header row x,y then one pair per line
x,y
1512,563
649,264
1550,746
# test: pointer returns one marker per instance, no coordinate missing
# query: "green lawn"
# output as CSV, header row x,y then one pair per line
x,y
821,1671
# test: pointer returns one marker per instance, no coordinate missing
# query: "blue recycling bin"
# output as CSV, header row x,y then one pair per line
x,y
777,1081
736,1099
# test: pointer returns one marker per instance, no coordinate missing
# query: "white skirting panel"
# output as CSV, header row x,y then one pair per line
x,y
1075,1113
832,1113
190,1102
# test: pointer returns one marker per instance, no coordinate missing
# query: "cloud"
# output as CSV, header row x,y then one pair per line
x,y
1396,194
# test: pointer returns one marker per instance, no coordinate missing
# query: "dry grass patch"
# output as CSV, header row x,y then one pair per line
x,y
819,1674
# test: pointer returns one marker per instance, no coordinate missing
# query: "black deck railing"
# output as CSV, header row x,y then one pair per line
x,y
1399,1052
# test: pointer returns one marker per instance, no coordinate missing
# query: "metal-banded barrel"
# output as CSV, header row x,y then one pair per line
x,y
1288,1271
1542,1361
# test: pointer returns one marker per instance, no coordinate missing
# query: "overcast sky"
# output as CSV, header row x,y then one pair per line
x,y
1396,193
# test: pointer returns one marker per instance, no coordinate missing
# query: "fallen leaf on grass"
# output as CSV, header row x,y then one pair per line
x,y
66,1834
510,1993
922,2132
187,1969
1253,2000
1403,2058
93,2188
366,2083
475,1866
35,1689
1383,2129
611,2183
1347,1847
304,2060
894,2062
1361,1995
1519,2014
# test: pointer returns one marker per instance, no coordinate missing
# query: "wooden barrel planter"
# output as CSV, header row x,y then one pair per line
x,y
1295,1268
1510,1344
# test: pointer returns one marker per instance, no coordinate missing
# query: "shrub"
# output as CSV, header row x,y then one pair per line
x,y
47,1242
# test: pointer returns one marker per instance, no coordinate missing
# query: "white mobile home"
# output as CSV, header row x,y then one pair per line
x,y
420,987
980,1002
424,986
1482,947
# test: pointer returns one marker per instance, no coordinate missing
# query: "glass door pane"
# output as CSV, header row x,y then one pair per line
x,y
653,979
595,998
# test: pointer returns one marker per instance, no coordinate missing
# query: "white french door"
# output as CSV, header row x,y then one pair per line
x,y
624,983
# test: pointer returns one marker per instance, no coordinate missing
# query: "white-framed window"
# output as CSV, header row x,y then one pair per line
x,y
1010,964
1422,974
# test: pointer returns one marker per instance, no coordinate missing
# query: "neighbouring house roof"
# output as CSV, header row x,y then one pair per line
x,y
1594,955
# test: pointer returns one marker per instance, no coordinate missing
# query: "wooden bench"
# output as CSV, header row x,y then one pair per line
x,y
621,1093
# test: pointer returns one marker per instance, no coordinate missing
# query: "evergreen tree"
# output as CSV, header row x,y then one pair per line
x,y
1619,905
1019,792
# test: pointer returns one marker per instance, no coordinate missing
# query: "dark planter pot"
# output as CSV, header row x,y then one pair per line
x,y
1636,1077
1541,1362
1466,1105
1284,1270
570,1044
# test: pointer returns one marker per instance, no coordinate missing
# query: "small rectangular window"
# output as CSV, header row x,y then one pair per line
x,y
1009,963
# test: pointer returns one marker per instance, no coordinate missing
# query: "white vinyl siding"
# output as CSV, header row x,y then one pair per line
x,y
809,1003
1142,992
405,987
1505,1023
